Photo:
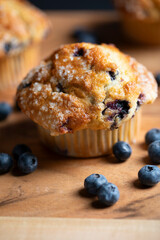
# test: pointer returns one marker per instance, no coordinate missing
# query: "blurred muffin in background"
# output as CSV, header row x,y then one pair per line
x,y
22,27
141,19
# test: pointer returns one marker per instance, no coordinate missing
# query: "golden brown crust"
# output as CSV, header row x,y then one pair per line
x,y
85,86
20,24
142,9
146,81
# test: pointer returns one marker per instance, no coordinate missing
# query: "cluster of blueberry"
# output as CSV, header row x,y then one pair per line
x,y
149,175
25,161
97,185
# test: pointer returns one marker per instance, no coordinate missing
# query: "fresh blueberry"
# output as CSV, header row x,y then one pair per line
x,y
108,194
149,175
27,163
152,135
85,36
154,151
5,110
158,78
77,32
122,151
93,182
6,163
19,150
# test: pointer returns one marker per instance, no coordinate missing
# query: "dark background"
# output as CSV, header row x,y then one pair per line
x,y
73,4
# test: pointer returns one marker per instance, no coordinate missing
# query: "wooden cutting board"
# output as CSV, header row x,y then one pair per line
x,y
77,229
56,188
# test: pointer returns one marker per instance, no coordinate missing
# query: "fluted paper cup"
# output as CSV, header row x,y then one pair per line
x,y
14,68
145,31
91,143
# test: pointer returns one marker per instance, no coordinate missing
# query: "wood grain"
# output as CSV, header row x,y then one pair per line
x,y
69,229
56,188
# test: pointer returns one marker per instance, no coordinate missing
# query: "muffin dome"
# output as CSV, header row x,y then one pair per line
x,y
20,24
141,9
83,86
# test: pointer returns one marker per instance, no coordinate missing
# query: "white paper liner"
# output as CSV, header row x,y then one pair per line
x,y
14,68
145,31
91,143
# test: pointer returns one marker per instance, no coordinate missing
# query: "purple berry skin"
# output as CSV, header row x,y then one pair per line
x,y
85,36
27,163
157,77
122,151
19,150
93,182
5,110
108,194
6,163
149,175
152,136
154,152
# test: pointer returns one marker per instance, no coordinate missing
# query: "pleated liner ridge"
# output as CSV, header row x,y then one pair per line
x,y
14,68
91,143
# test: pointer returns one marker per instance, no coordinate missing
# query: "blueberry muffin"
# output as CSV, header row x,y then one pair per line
x,y
86,97
22,27
141,19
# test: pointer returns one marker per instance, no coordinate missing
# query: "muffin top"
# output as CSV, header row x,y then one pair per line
x,y
20,24
85,85
142,9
